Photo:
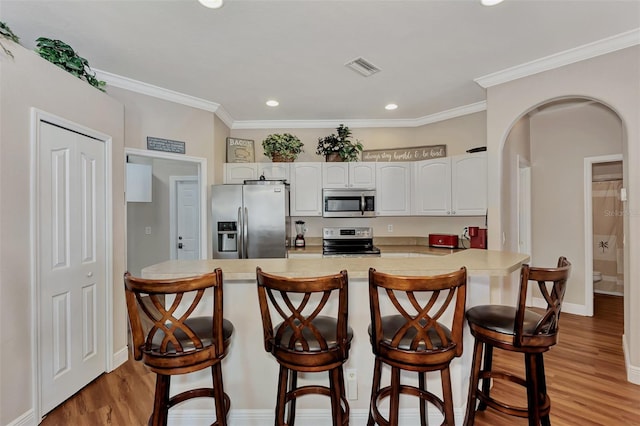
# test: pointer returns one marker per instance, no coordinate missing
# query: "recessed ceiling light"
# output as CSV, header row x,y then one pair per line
x,y
273,103
391,107
490,2
212,4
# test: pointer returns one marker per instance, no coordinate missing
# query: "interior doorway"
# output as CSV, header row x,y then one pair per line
x,y
603,248
151,230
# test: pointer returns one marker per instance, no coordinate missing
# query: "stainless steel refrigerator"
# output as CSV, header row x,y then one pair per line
x,y
250,221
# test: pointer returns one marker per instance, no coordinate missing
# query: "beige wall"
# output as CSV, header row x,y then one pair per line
x,y
560,140
459,134
25,82
613,80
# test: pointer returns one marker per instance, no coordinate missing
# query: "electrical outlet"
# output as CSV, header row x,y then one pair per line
x,y
147,230
352,383
389,228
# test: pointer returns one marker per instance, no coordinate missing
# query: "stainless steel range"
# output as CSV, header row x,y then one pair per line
x,y
352,241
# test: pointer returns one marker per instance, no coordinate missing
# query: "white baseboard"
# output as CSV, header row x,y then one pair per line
x,y
27,419
633,372
570,308
120,357
306,417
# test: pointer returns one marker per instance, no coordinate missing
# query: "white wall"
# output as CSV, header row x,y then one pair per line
x,y
29,81
613,80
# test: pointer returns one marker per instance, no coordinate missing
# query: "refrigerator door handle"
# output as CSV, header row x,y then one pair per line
x,y
245,234
240,234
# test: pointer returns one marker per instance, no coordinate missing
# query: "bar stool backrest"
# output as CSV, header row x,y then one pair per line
x,y
299,306
161,331
552,283
422,329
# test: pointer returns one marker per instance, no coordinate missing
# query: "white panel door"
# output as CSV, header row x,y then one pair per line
x,y
71,270
188,219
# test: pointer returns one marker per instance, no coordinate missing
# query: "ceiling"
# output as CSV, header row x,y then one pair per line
x,y
237,57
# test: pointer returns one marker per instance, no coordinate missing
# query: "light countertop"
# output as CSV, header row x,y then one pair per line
x,y
478,262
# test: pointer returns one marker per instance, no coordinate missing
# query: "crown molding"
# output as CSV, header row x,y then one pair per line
x,y
165,94
580,53
328,124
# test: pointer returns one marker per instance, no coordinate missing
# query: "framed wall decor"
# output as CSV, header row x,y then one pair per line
x,y
413,153
240,150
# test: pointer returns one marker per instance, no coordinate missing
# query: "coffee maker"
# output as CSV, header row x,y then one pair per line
x,y
299,241
478,237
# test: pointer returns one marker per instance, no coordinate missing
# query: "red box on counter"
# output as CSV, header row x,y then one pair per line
x,y
443,240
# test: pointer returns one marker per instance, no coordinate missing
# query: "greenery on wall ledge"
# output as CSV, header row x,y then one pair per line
x,y
6,32
62,55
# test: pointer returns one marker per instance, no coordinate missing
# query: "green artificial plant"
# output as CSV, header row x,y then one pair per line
x,y
62,55
340,144
6,32
282,147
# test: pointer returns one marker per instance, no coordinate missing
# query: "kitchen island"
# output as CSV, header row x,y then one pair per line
x,y
250,373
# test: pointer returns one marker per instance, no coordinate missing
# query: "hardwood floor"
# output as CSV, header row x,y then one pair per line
x,y
585,378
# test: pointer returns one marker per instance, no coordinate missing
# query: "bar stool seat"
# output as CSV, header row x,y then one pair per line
x,y
304,340
517,329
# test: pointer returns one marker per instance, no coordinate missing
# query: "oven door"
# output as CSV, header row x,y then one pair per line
x,y
348,203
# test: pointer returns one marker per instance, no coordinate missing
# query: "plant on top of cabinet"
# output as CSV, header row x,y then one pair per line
x,y
6,32
283,147
339,147
62,55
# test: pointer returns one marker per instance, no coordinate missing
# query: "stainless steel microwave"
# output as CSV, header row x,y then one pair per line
x,y
348,203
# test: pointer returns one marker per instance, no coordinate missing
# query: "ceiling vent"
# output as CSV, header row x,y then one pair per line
x,y
362,67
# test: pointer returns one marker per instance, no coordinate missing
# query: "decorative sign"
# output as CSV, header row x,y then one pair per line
x,y
405,154
240,150
166,145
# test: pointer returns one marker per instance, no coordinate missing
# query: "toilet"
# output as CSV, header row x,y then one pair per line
x,y
597,276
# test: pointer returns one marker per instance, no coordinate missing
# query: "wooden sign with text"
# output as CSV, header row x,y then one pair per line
x,y
405,154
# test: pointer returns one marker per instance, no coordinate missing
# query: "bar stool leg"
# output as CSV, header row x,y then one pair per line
x,y
486,382
375,388
542,387
218,395
161,401
447,396
533,396
282,395
336,387
473,383
293,385
422,383
394,397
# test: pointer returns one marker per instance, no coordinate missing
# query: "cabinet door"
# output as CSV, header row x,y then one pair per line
x,y
469,184
335,175
274,171
432,187
238,172
393,189
362,175
306,189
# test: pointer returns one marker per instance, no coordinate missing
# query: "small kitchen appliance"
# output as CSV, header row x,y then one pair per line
x,y
348,242
443,240
299,242
478,237
349,202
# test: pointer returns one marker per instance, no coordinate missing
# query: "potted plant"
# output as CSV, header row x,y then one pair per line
x,y
339,147
5,32
283,147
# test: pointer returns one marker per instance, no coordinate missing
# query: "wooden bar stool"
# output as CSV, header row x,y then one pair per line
x,y
517,329
170,340
305,338
415,338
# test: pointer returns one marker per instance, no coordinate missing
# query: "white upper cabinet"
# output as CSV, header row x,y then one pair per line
x,y
393,189
306,189
469,184
451,186
349,175
272,171
239,172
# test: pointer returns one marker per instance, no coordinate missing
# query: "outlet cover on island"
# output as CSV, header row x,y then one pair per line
x,y
389,228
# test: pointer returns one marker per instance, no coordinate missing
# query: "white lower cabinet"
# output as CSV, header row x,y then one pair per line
x,y
306,189
393,189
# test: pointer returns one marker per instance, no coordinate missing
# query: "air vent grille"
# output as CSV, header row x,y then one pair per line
x,y
362,67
